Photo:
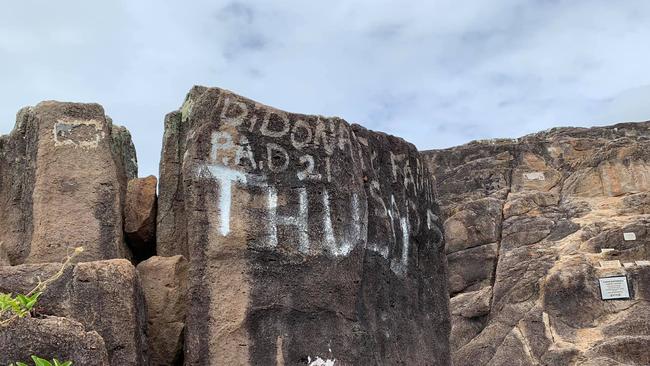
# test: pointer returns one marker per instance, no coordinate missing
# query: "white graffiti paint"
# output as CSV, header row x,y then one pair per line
x,y
344,245
308,172
221,141
534,176
282,118
300,221
304,126
273,152
227,115
320,362
69,133
225,177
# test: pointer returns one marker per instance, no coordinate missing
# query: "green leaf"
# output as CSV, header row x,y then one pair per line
x,y
59,363
41,362
23,299
21,364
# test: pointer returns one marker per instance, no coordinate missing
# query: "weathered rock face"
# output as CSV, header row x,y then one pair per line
x,y
103,297
140,216
308,240
62,183
531,225
50,338
164,281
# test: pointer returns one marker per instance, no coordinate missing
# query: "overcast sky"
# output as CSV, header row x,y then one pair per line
x,y
438,72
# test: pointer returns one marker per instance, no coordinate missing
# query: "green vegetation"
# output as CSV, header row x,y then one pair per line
x,y
17,306
42,362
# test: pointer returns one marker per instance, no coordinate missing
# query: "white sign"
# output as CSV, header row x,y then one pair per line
x,y
629,236
614,288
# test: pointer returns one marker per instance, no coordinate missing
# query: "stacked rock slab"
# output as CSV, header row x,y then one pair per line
x,y
63,177
62,184
309,241
101,296
531,225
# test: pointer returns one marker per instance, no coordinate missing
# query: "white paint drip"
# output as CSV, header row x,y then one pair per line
x,y
320,362
273,216
330,241
405,240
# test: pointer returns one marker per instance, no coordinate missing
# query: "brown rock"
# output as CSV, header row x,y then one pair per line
x,y
307,238
472,304
574,198
475,223
62,185
104,296
472,268
164,282
51,337
140,216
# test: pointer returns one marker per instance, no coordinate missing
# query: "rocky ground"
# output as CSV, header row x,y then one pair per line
x,y
531,225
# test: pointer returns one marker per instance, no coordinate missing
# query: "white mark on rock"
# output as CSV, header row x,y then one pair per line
x,y
308,171
244,151
220,141
275,152
629,236
234,113
431,219
321,136
225,177
308,135
320,362
299,221
330,241
282,119
381,249
78,133
405,240
535,176
344,247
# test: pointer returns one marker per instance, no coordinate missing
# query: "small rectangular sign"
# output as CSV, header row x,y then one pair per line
x,y
612,288
629,236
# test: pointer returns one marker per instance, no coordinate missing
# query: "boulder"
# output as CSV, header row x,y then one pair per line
x,y
309,240
62,184
49,338
140,216
103,296
573,211
164,283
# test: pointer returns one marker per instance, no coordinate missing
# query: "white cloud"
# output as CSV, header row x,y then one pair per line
x,y
437,73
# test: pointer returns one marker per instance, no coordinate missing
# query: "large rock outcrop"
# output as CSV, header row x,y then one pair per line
x,y
531,225
62,184
63,181
309,241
